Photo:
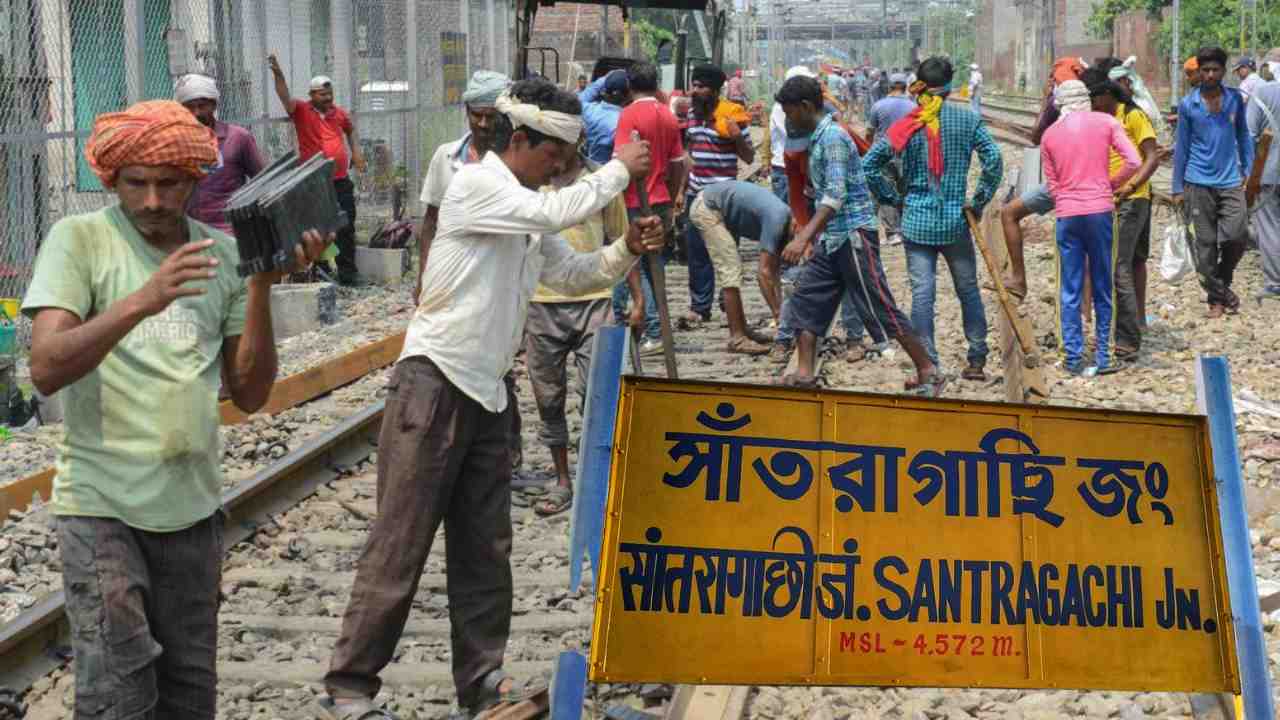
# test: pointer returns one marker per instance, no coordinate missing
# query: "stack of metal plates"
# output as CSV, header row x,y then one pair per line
x,y
270,213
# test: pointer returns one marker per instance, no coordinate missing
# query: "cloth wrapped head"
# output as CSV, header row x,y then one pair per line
x,y
709,75
798,71
1072,96
195,87
484,88
1141,95
561,126
153,133
1191,65
1068,68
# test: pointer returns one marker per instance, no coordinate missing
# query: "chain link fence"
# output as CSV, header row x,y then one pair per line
x,y
399,66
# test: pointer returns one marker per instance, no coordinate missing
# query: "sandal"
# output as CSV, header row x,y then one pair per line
x,y
558,499
856,353
974,372
744,345
793,381
361,709
1124,354
931,387
691,321
490,696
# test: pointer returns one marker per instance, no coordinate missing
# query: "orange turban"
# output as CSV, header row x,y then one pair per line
x,y
1191,65
1067,68
153,133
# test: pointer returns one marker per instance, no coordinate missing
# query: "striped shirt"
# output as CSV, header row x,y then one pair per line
x,y
715,158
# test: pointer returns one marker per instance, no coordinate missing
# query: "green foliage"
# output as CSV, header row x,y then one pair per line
x,y
1101,22
1204,22
648,35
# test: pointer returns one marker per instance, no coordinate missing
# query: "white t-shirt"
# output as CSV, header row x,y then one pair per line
x,y
444,164
777,135
1249,84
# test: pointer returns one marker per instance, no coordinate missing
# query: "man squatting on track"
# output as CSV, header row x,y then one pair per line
x,y
443,451
136,310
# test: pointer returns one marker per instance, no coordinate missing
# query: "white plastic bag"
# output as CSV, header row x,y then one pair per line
x,y
1175,262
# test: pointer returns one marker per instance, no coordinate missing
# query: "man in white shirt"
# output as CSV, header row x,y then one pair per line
x,y
975,90
1249,78
482,92
443,452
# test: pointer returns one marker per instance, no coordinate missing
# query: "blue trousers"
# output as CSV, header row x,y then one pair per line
x,y
702,275
622,295
922,268
1080,237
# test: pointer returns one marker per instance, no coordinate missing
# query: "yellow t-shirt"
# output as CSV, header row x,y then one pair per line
x,y
1139,129
141,431
599,230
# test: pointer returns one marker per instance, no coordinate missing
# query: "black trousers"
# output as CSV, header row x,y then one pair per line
x,y
347,236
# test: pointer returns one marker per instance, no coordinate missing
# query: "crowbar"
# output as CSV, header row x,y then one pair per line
x,y
658,273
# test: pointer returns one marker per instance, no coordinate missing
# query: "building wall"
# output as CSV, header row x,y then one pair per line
x,y
1135,34
555,26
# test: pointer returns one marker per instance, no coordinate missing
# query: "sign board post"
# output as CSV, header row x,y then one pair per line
x,y
1213,390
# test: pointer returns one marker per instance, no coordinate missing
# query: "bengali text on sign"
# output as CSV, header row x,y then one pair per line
x,y
768,536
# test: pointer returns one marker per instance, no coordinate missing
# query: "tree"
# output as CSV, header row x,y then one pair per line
x,y
648,35
1204,22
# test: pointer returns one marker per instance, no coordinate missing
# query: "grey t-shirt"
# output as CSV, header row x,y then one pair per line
x,y
888,111
750,210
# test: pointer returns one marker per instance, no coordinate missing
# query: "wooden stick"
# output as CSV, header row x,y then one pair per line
x,y
1027,344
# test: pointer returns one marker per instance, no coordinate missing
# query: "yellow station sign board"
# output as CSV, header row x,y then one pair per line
x,y
759,535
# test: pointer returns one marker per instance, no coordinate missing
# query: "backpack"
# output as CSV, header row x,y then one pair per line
x,y
392,235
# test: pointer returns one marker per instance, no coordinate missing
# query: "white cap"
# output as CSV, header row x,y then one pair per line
x,y
320,81
799,71
973,66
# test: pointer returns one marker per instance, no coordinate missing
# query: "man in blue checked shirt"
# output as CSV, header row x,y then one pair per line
x,y
846,259
933,223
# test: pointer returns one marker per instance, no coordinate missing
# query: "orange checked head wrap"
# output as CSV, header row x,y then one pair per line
x,y
1068,68
156,132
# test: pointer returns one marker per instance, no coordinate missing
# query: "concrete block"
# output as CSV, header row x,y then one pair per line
x,y
382,266
299,308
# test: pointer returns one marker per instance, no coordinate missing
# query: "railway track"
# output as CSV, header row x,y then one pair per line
x,y
294,532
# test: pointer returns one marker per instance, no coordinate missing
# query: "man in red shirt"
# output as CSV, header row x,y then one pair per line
x,y
321,125
655,124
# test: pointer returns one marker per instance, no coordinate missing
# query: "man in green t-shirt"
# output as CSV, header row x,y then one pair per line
x,y
136,310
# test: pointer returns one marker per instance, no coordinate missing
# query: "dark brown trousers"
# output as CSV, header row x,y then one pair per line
x,y
441,458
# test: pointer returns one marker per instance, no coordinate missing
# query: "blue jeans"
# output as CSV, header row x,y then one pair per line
x,y
622,294
975,104
778,183
922,268
702,276
1080,237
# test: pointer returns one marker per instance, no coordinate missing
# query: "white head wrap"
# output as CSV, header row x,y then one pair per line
x,y
1141,95
561,126
195,87
798,71
484,88
1072,96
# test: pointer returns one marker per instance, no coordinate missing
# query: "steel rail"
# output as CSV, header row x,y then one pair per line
x,y
34,643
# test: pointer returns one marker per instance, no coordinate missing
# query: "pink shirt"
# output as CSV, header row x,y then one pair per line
x,y
1077,162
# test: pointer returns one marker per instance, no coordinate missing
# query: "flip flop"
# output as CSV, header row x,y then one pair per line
x,y
490,696
802,383
558,499
362,709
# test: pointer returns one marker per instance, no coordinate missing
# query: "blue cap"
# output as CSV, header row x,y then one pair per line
x,y
1245,61
616,82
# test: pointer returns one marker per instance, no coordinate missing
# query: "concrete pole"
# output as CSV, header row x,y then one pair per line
x,y
134,32
1175,64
